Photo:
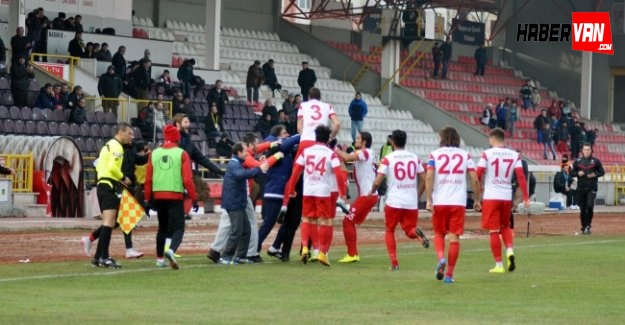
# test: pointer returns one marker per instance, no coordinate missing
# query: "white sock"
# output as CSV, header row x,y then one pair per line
x,y
499,264
509,251
315,252
160,260
167,242
273,250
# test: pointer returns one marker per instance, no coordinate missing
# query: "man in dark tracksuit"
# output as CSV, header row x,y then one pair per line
x,y
587,169
234,201
306,80
277,177
168,178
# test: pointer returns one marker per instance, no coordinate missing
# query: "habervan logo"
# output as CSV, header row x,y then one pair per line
x,y
589,31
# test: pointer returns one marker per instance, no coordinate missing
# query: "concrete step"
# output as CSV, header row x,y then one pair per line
x,y
24,198
35,210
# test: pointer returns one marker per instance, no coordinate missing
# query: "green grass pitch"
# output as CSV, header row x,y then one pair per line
x,y
559,280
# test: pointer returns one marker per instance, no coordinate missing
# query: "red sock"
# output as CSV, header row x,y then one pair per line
x,y
495,246
305,234
389,237
91,237
508,239
412,234
454,251
314,235
439,245
349,232
325,238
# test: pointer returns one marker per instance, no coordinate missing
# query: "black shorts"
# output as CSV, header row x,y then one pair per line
x,y
107,198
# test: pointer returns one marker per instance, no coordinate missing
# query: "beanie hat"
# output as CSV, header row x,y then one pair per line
x,y
171,133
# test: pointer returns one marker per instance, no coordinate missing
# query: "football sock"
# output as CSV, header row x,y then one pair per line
x,y
105,240
305,233
349,232
314,235
495,246
160,244
325,238
506,235
95,234
176,239
439,246
454,251
412,234
389,237
128,239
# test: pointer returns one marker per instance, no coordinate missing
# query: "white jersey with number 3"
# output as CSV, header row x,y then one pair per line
x,y
318,162
401,168
450,165
313,113
500,165
364,171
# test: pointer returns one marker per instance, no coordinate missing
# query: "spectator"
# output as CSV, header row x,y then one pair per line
x,y
566,109
536,98
214,123
487,116
78,114
264,125
188,108
547,138
182,105
110,87
59,21
3,54
165,82
70,24
446,56
104,54
526,94
270,109
513,116
284,119
159,115
147,117
76,46
555,125
19,45
591,136
562,184
576,139
89,51
72,99
119,62
539,125
178,103
44,100
57,101
306,79
254,79
218,95
20,81
185,76
502,115
437,56
224,146
554,110
357,112
34,26
96,48
288,106
64,95
78,24
480,60
142,79
563,137
271,80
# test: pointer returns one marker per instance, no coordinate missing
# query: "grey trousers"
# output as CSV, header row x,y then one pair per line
x,y
223,230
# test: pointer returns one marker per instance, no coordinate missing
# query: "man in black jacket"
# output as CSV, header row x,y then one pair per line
x,y
587,169
76,46
109,87
183,124
446,53
20,45
480,60
218,95
119,62
20,81
306,79
270,77
142,79
562,184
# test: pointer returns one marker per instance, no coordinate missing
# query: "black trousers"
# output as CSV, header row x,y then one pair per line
x,y
170,224
586,202
239,238
270,212
305,93
287,230
479,69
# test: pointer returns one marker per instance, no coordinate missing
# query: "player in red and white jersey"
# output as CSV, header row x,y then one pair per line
x,y
364,175
319,164
310,115
498,164
446,191
401,169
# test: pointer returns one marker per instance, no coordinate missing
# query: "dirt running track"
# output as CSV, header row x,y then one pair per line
x,y
64,244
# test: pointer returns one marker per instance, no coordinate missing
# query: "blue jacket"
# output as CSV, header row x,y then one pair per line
x,y
358,110
278,175
234,193
44,100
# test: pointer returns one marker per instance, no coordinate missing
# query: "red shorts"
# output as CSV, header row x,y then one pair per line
x,y
318,207
407,218
496,214
361,208
303,145
334,196
448,219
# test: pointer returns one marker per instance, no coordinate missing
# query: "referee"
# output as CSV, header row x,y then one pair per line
x,y
110,181
587,169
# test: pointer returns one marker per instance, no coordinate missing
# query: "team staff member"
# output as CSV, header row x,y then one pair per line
x,y
405,179
110,180
446,190
168,177
587,169
364,175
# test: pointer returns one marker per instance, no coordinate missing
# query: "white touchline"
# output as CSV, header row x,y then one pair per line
x,y
196,266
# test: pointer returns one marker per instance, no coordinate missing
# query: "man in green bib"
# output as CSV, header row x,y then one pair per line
x,y
168,179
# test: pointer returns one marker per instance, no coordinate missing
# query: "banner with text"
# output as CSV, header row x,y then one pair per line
x,y
467,32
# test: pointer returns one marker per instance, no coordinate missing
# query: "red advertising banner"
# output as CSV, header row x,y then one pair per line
x,y
56,69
